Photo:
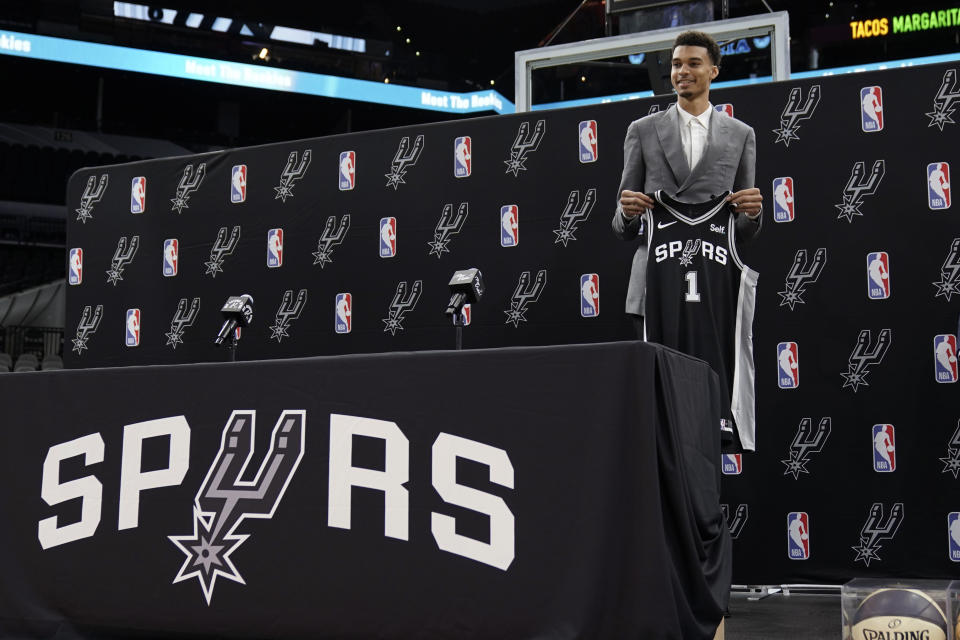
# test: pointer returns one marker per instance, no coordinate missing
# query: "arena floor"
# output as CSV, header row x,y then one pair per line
x,y
799,616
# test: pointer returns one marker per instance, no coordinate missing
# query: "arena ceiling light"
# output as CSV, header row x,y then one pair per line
x,y
195,20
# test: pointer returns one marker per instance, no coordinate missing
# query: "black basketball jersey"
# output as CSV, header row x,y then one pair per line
x,y
701,297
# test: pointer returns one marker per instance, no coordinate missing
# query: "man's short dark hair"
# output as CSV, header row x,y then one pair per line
x,y
699,39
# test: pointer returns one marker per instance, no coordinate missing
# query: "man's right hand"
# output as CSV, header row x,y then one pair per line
x,y
633,203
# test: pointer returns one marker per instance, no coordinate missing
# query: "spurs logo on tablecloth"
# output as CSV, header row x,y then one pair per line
x,y
793,114
524,144
292,171
333,235
288,311
524,294
858,186
739,520
222,247
88,325
225,499
450,224
951,463
93,192
875,529
946,100
949,282
805,443
403,159
865,356
122,256
189,182
403,302
574,213
185,316
801,274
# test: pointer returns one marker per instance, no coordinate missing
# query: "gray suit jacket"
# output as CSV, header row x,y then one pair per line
x,y
653,159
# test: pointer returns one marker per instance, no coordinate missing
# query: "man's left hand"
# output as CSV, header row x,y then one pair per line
x,y
747,201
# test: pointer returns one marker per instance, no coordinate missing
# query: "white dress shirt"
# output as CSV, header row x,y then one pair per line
x,y
693,134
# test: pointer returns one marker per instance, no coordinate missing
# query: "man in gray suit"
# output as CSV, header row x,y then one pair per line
x,y
690,152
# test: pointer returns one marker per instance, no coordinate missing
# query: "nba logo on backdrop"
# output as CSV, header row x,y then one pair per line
x,y
945,356
878,275
462,157
133,327
871,109
275,248
138,195
788,365
726,109
938,185
884,448
388,237
343,317
509,225
348,170
588,141
589,295
783,200
238,183
798,535
76,266
953,535
731,464
171,257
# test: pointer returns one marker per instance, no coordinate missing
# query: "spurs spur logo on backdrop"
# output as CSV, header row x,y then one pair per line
x,y
858,186
793,114
574,213
946,101
222,247
403,159
93,192
739,519
801,274
332,236
450,224
183,317
225,500
292,171
865,356
189,182
403,302
288,311
122,257
88,325
525,294
524,144
951,463
875,529
805,443
949,283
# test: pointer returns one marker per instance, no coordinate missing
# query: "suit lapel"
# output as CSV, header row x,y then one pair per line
x,y
668,130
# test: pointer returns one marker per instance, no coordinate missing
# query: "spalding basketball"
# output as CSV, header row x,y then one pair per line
x,y
899,614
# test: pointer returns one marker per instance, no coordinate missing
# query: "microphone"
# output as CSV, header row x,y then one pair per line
x,y
466,286
237,312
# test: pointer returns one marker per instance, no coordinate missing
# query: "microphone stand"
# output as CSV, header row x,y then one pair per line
x,y
458,323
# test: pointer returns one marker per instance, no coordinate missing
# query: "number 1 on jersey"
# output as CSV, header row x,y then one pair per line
x,y
693,295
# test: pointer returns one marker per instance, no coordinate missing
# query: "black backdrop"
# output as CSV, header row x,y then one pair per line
x,y
862,361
